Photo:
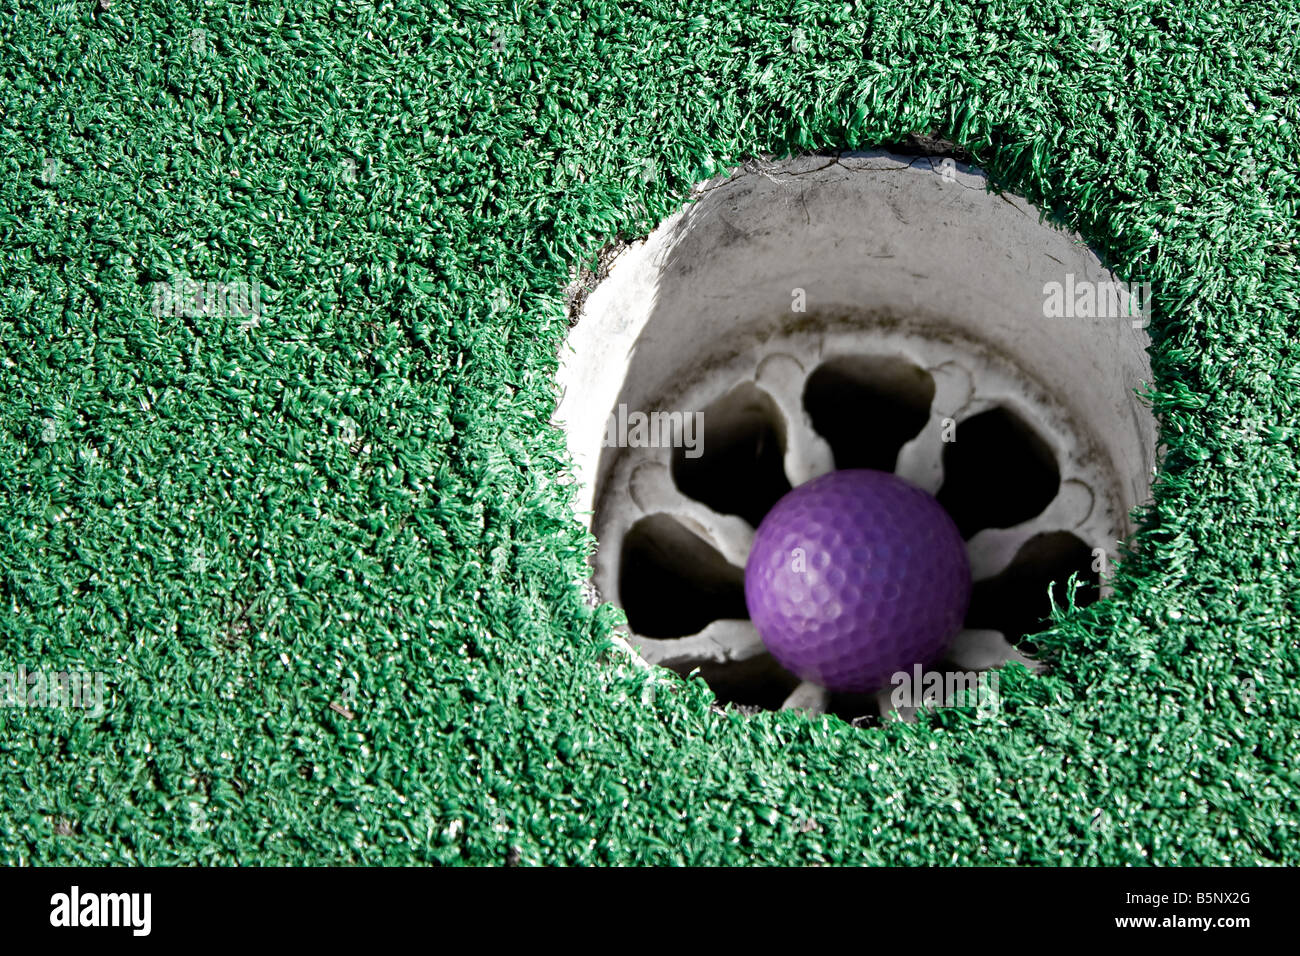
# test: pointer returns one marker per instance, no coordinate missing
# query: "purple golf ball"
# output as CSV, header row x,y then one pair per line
x,y
855,576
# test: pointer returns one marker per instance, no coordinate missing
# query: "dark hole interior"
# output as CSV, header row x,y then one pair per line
x,y
997,473
1016,602
673,583
868,407
860,710
759,683
741,468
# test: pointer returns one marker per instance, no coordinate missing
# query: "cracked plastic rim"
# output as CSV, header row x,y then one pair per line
x,y
918,282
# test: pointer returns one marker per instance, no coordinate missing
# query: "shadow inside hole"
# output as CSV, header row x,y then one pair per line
x,y
997,473
740,469
860,710
1016,602
673,583
759,683
868,407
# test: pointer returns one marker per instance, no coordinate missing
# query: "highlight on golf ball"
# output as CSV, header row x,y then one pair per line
x,y
855,576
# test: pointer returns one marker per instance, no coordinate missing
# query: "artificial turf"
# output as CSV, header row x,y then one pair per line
x,y
327,559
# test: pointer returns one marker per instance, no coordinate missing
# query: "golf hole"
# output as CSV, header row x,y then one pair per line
x,y
864,310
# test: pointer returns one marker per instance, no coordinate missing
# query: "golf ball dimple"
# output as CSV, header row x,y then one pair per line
x,y
855,576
